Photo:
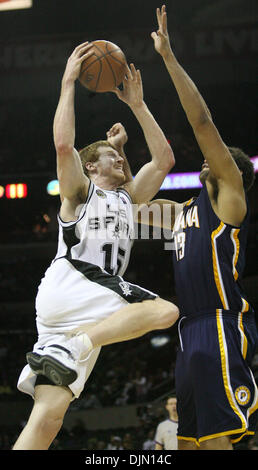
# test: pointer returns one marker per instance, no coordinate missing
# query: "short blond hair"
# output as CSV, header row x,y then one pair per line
x,y
90,153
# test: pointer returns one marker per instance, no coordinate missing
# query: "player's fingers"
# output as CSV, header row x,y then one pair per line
x,y
85,48
133,71
164,21
139,76
79,47
85,56
117,127
109,132
128,72
154,35
114,130
158,13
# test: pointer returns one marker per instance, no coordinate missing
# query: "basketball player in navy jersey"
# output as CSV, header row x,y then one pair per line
x,y
82,290
216,392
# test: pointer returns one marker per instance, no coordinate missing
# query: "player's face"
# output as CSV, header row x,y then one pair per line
x,y
205,170
110,164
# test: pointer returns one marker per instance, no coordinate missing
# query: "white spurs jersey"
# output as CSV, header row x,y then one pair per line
x,y
103,233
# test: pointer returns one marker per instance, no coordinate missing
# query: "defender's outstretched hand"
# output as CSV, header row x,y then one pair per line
x,y
161,37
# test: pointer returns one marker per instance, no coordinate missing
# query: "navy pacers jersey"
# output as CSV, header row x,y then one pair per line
x,y
209,258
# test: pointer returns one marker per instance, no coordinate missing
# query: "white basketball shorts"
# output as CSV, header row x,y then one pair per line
x,y
74,293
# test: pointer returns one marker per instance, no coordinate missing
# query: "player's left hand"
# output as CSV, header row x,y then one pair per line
x,y
132,92
117,136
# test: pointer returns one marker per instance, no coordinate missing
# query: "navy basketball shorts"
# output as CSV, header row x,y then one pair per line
x,y
216,391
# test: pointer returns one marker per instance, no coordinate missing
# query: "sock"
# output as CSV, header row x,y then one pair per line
x,y
86,341
80,345
84,338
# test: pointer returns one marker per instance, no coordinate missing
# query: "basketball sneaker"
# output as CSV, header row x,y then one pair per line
x,y
58,363
54,362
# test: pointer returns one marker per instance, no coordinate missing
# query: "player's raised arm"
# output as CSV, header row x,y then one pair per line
x,y
69,168
215,152
148,180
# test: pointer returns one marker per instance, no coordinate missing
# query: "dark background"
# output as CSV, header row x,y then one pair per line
x,y
216,42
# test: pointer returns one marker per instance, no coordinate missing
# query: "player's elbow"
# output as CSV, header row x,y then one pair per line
x,y
167,159
171,158
202,122
63,149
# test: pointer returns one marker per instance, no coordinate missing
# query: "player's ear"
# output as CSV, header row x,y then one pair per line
x,y
90,166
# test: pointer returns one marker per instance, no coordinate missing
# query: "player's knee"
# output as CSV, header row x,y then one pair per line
x,y
168,313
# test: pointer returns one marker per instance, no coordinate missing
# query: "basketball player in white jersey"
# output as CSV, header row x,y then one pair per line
x,y
83,302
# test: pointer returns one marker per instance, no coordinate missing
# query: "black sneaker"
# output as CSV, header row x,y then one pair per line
x,y
55,362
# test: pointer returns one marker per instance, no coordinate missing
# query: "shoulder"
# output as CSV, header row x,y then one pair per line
x,y
128,189
124,190
229,204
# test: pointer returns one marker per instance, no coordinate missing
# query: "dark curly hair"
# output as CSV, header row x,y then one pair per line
x,y
245,165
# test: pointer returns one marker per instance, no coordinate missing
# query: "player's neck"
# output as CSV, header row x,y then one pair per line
x,y
104,182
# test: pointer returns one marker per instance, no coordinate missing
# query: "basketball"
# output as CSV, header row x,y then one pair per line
x,y
105,69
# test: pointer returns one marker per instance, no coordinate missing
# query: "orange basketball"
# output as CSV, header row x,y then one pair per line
x,y
105,69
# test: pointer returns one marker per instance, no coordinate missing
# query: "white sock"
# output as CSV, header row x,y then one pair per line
x,y
86,341
80,345
86,344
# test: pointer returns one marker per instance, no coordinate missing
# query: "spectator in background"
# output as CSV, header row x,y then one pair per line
x,y
166,433
149,444
101,445
115,443
128,443
92,443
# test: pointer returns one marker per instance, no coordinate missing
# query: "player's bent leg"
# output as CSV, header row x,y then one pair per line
x,y
46,419
133,321
58,361
218,443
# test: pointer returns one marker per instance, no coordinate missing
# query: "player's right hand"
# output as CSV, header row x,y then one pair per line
x,y
161,37
74,62
132,91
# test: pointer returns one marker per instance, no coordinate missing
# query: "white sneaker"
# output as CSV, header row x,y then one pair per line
x,y
57,363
